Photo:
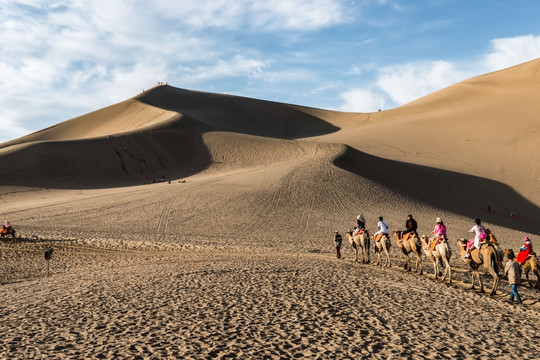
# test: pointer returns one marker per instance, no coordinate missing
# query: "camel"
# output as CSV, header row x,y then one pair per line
x,y
360,242
441,253
8,231
383,244
412,244
486,256
531,263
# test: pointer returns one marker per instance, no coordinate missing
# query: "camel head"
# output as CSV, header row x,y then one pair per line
x,y
462,242
508,251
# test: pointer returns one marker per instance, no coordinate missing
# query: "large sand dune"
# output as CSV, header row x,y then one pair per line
x,y
232,252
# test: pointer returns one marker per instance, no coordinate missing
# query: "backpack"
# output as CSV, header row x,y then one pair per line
x,y
483,232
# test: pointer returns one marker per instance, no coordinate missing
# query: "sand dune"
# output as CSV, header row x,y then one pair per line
x,y
232,254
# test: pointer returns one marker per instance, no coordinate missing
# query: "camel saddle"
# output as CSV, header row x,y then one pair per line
x,y
435,243
379,236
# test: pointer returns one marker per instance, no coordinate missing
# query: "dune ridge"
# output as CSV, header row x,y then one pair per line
x,y
232,254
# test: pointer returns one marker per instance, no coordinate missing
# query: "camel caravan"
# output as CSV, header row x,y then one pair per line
x,y
482,251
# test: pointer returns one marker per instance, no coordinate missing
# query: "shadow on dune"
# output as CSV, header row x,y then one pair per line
x,y
239,114
117,160
172,149
462,194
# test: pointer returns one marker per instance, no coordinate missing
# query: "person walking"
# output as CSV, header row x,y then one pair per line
x,y
513,271
338,239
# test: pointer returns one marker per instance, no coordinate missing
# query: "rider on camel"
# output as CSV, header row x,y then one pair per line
x,y
479,235
360,224
6,226
525,251
440,229
410,226
383,228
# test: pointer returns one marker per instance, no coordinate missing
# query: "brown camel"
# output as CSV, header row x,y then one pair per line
x,y
412,244
531,263
487,256
383,244
440,253
8,231
360,243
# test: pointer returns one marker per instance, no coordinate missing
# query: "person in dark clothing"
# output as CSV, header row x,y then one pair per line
x,y
338,239
410,226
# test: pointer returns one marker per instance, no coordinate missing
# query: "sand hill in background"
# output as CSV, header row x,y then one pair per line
x,y
231,255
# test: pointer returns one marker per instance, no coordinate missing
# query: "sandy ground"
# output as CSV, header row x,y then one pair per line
x,y
231,256
217,292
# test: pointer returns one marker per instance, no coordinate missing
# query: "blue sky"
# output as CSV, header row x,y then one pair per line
x,y
61,59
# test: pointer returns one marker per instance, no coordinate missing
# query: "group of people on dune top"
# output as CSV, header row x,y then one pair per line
x,y
481,235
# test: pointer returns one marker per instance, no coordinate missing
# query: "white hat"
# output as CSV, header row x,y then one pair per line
x,y
438,220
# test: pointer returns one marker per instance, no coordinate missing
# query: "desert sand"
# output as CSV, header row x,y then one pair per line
x,y
187,224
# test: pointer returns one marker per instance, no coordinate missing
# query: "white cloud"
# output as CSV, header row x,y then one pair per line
x,y
261,15
508,52
403,83
235,67
363,100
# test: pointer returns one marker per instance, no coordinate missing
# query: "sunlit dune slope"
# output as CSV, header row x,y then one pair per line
x,y
462,148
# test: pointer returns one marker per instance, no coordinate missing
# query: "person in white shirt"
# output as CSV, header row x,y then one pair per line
x,y
382,226
479,234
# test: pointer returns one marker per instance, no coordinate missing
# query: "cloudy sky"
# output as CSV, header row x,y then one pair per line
x,y
64,58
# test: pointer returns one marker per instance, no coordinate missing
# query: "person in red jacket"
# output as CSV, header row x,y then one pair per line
x,y
525,250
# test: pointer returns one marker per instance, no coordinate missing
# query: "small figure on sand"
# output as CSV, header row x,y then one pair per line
x,y
513,271
338,239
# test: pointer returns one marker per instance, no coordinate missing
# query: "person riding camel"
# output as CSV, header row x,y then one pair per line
x,y
525,251
439,233
410,226
440,229
6,226
382,229
360,225
479,235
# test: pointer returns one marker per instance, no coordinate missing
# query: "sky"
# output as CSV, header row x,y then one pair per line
x,y
63,58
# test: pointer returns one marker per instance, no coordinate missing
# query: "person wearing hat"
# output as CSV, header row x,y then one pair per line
x,y
512,270
440,229
525,250
338,239
410,226
360,225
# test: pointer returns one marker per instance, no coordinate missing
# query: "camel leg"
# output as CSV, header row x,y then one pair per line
x,y
436,268
447,270
419,264
407,263
495,281
480,281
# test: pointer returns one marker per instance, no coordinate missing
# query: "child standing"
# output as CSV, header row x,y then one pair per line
x,y
513,271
